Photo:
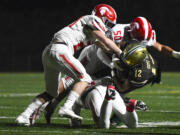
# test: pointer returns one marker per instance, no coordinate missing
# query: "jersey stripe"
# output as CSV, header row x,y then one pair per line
x,y
146,28
71,65
97,25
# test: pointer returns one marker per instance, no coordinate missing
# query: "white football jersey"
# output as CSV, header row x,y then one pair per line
x,y
89,57
117,34
76,34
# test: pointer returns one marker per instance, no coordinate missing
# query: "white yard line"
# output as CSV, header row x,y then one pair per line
x,y
6,117
155,124
18,94
142,124
54,118
7,107
156,111
163,111
47,131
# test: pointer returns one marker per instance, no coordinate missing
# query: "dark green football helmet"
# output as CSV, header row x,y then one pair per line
x,y
133,54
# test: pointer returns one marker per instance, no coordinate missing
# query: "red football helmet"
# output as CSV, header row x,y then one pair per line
x,y
140,29
106,13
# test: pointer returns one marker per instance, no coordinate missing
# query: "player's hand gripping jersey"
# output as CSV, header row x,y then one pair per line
x,y
77,34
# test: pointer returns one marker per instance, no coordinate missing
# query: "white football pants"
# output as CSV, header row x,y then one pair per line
x,y
57,59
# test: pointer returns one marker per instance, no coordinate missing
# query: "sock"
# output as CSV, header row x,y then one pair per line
x,y
71,99
131,106
35,104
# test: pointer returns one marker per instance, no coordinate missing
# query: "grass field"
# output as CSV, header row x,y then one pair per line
x,y
162,117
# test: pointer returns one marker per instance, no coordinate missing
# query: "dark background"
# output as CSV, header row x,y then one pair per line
x,y
27,26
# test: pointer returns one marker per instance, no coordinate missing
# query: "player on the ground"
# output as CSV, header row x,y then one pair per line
x,y
58,58
125,76
130,72
140,29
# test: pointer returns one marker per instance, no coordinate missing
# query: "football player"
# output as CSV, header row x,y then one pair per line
x,y
58,57
124,75
141,30
136,68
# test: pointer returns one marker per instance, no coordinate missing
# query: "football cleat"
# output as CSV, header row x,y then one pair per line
x,y
35,115
22,119
68,113
137,104
140,105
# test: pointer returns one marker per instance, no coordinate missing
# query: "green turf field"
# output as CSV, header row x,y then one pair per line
x,y
162,118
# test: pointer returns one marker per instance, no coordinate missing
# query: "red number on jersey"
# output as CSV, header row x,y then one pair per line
x,y
117,35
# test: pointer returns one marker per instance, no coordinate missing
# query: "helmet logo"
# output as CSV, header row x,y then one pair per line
x,y
103,10
135,26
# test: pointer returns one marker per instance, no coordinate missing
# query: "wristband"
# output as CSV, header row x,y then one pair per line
x,y
176,54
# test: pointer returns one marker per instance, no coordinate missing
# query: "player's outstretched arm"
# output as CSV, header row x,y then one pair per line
x,y
166,50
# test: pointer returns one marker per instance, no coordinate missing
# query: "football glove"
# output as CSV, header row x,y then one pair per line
x,y
110,92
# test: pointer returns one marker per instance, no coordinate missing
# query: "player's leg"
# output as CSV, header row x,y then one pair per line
x,y
131,118
64,88
106,108
74,69
126,113
139,105
52,76
94,102
33,111
68,82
